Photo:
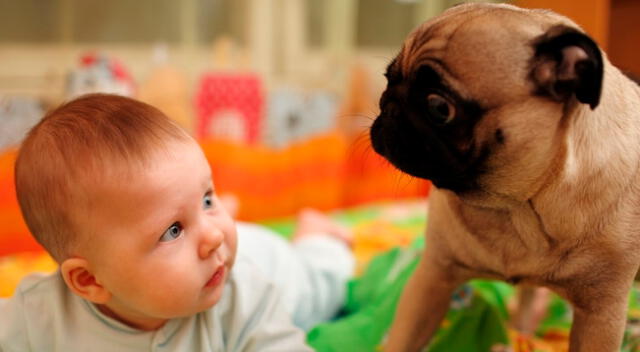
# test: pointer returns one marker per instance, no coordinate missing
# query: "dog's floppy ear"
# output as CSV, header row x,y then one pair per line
x,y
566,63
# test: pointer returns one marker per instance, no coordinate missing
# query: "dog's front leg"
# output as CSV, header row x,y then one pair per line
x,y
599,318
423,304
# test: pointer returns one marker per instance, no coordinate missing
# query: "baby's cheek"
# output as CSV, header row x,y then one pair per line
x,y
170,300
230,249
172,279
231,241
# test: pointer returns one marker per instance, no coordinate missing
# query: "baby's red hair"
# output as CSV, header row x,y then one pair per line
x,y
78,142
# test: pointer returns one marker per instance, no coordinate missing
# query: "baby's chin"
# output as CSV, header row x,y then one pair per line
x,y
213,295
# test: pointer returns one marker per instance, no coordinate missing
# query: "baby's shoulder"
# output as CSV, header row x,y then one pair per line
x,y
35,299
34,288
40,283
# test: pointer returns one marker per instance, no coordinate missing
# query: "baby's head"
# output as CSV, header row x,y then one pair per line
x,y
123,200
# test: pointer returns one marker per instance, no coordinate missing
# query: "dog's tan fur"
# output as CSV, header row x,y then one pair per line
x,y
560,203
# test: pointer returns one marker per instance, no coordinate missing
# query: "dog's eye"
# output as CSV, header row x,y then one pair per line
x,y
441,111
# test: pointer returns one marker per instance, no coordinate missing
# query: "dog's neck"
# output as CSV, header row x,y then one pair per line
x,y
598,144
599,169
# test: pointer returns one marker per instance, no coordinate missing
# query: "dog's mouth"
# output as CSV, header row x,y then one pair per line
x,y
426,129
424,155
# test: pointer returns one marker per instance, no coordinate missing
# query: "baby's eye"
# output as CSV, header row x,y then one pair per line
x,y
207,201
174,231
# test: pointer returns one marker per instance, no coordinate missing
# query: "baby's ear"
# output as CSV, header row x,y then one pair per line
x,y
82,282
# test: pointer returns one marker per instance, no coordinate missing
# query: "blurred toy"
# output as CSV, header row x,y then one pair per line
x,y
293,116
17,116
166,88
229,102
99,74
229,106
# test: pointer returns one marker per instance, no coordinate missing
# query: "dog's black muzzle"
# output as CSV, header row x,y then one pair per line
x,y
420,152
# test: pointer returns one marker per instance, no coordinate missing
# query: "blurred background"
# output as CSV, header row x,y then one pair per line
x,y
304,43
280,93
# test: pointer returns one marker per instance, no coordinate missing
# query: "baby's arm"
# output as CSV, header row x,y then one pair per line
x,y
312,273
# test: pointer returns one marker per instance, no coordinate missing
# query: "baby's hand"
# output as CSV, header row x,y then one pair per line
x,y
313,222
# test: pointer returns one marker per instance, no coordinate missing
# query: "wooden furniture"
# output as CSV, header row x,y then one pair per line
x,y
612,23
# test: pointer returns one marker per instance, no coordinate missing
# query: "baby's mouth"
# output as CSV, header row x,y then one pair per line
x,y
217,277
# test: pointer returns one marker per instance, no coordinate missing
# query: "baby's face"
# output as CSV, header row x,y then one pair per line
x,y
161,242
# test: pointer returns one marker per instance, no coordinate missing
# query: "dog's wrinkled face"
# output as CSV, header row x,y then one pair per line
x,y
477,97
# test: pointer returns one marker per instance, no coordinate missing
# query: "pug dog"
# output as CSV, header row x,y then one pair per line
x,y
532,140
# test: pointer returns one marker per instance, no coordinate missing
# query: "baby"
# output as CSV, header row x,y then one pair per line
x,y
123,200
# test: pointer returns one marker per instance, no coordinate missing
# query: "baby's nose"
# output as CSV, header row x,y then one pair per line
x,y
210,239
